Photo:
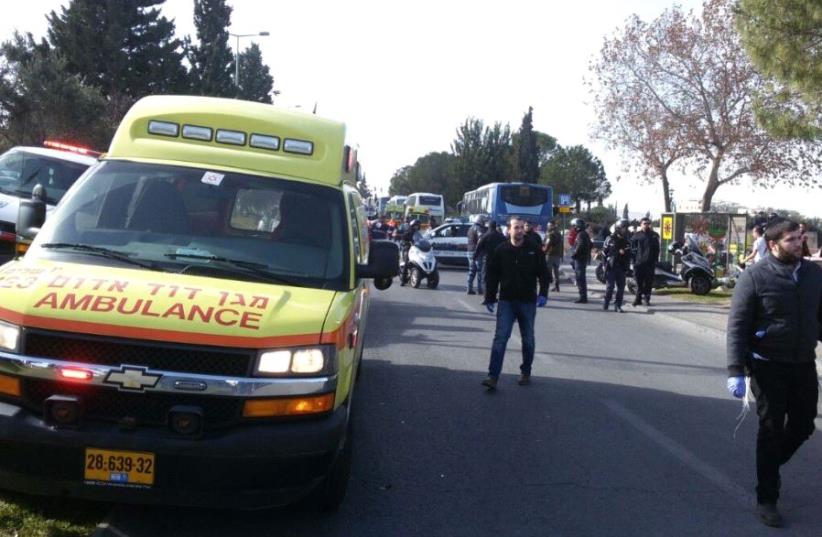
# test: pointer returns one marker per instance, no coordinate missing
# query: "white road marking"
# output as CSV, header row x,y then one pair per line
x,y
712,474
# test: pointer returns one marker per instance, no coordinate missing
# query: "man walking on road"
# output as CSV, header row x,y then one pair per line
x,y
553,249
773,327
646,254
515,267
581,257
474,233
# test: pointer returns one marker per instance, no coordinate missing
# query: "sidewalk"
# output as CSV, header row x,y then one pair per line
x,y
712,318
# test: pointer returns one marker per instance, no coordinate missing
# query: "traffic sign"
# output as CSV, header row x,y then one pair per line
x,y
565,200
564,209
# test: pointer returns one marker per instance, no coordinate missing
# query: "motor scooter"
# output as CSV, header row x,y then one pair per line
x,y
695,273
420,264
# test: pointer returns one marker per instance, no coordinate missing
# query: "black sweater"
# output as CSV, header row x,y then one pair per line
x,y
516,270
767,299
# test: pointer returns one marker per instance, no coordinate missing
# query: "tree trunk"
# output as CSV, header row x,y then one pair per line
x,y
666,191
712,185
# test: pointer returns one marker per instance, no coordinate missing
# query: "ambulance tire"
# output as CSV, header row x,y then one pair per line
x,y
433,280
331,492
416,277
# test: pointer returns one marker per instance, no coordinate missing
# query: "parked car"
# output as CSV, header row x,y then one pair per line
x,y
21,168
450,243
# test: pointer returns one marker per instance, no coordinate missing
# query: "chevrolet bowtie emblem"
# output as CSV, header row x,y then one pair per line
x,y
132,378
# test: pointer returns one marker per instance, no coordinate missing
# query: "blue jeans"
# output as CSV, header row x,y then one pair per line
x,y
524,313
580,269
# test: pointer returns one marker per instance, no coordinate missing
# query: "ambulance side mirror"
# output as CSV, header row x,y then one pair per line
x,y
383,264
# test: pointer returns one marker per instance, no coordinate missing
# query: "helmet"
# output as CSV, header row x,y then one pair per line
x,y
413,223
578,223
622,224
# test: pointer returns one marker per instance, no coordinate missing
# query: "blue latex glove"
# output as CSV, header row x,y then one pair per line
x,y
736,387
541,301
489,306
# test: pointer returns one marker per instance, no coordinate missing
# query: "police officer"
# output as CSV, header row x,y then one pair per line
x,y
581,257
646,254
411,236
617,260
474,233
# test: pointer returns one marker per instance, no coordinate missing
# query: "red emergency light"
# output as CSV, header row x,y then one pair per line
x,y
71,147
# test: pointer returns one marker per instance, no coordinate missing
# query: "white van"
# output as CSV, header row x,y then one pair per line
x,y
424,200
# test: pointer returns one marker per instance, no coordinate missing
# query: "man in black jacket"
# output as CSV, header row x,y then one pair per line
x,y
581,257
515,267
646,254
773,327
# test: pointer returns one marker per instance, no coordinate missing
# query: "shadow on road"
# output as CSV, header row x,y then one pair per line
x,y
435,454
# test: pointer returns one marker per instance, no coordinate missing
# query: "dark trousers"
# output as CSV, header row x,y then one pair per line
x,y
644,276
614,276
580,269
786,399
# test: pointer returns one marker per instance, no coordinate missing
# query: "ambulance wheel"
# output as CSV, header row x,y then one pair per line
x,y
700,285
433,280
416,278
331,492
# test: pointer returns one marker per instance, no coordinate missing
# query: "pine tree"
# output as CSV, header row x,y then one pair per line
x,y
212,64
40,98
122,47
527,154
625,213
256,82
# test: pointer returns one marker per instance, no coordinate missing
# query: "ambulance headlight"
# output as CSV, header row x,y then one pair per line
x,y
298,361
9,337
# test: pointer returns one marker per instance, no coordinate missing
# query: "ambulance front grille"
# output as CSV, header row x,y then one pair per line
x,y
153,355
146,408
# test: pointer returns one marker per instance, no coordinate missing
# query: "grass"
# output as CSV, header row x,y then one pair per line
x,y
35,516
719,296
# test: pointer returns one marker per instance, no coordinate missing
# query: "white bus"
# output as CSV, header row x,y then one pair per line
x,y
424,200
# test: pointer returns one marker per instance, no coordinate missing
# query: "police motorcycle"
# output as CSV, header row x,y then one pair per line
x,y
695,273
420,264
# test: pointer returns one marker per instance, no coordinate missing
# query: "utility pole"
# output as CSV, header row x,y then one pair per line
x,y
237,54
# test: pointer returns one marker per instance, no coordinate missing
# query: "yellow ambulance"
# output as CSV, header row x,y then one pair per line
x,y
187,327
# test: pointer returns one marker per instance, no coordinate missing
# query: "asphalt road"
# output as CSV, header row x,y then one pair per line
x,y
626,430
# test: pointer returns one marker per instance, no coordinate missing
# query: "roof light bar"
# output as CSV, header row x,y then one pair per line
x,y
230,137
194,132
264,142
302,147
52,144
163,128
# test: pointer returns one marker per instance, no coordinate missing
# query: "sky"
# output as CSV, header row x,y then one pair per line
x,y
404,76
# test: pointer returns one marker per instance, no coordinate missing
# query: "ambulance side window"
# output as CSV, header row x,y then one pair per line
x,y
357,217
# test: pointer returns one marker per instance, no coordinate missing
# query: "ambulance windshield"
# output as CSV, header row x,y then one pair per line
x,y
205,222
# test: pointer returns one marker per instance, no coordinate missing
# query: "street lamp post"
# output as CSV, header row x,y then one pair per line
x,y
237,54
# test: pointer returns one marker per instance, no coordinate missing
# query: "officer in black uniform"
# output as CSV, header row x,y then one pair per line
x,y
617,260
